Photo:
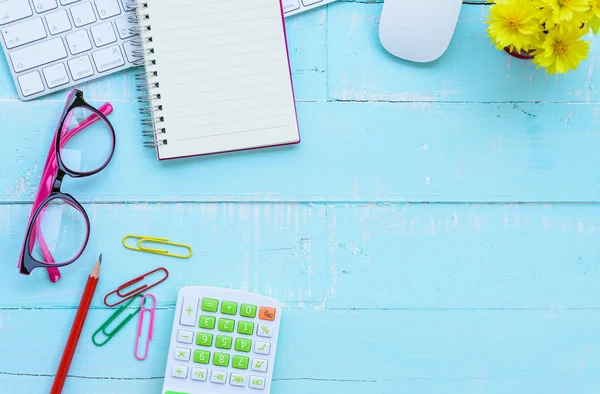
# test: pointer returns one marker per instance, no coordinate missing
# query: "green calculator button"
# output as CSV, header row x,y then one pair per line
x,y
229,308
226,325
203,339
224,342
207,322
245,327
240,362
201,356
210,305
243,345
248,310
221,359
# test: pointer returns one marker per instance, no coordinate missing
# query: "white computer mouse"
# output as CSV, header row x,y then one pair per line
x,y
418,30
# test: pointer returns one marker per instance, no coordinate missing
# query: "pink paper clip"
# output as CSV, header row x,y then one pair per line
x,y
152,311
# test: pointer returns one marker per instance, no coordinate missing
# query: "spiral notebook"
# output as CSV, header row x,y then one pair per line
x,y
217,76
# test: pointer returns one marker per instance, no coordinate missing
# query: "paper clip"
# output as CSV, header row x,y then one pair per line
x,y
118,328
132,293
152,311
163,241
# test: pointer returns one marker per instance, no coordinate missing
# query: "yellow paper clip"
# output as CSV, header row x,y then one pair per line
x,y
163,241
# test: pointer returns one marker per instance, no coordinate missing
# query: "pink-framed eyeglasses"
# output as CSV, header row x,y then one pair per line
x,y
59,227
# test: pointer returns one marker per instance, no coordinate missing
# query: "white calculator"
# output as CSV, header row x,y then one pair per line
x,y
223,342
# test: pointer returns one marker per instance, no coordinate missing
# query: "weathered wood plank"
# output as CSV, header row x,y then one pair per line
x,y
417,256
360,69
349,152
383,351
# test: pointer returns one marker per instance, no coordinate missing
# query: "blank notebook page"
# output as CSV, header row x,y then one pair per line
x,y
224,76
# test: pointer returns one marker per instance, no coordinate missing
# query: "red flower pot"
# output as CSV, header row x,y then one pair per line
x,y
525,55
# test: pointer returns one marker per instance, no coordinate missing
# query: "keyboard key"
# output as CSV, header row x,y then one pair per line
x,y
237,380
129,48
189,304
203,339
179,371
243,345
14,10
257,382
56,75
38,54
31,83
66,2
219,377
245,327
247,310
109,58
259,365
240,362
44,5
209,305
83,14
207,322
79,42
226,325
262,347
108,8
81,67
104,34
310,2
182,354
58,22
24,33
264,330
127,5
224,342
229,308
123,27
221,359
199,374
183,336
267,313
290,5
201,356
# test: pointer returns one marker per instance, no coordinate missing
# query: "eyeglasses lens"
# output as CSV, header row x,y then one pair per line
x,y
86,141
59,232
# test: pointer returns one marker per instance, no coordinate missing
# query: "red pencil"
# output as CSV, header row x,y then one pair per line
x,y
82,311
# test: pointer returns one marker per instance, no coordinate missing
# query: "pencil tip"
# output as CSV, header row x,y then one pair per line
x,y
100,258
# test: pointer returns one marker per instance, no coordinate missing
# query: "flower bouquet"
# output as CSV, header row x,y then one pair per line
x,y
551,33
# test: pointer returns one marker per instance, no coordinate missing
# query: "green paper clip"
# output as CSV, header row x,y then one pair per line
x,y
162,241
118,328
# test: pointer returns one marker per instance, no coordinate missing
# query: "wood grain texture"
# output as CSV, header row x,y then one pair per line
x,y
384,351
472,70
436,230
415,256
351,152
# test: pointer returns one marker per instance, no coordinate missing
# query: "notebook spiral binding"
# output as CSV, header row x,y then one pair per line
x,y
147,82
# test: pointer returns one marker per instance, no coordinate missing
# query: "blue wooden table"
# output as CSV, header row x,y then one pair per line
x,y
436,231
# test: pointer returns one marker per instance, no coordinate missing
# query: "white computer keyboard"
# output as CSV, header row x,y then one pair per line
x,y
52,45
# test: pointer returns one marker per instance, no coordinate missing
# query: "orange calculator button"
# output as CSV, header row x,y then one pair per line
x,y
266,313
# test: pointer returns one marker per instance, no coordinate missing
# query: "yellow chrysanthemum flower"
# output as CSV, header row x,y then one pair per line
x,y
513,24
561,51
595,19
554,12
